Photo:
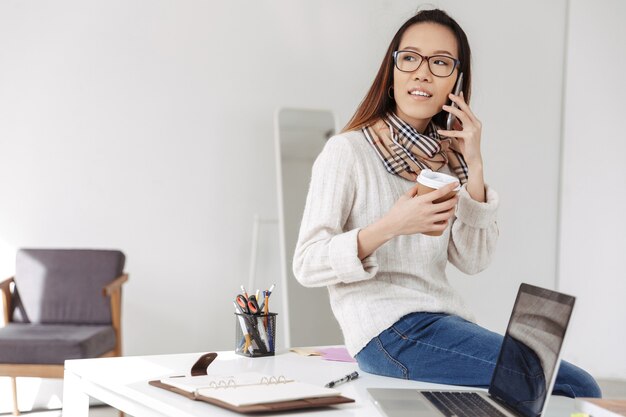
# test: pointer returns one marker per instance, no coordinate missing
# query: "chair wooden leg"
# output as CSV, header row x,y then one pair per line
x,y
16,411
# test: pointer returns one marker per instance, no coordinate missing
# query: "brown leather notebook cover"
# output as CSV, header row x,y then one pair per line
x,y
199,368
260,408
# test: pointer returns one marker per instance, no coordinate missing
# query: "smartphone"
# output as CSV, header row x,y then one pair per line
x,y
458,87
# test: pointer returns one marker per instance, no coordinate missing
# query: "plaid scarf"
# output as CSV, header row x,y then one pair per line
x,y
405,152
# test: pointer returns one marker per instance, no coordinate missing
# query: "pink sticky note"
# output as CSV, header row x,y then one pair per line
x,y
336,354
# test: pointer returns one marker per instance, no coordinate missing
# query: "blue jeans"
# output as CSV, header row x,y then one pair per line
x,y
445,349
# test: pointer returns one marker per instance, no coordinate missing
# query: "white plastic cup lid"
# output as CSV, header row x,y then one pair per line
x,y
436,180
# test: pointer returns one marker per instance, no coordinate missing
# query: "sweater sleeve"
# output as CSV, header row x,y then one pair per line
x,y
326,254
474,232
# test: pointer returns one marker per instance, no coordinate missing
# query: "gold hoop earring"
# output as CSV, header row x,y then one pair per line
x,y
389,92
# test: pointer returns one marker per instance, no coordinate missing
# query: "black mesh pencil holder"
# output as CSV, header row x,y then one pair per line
x,y
255,334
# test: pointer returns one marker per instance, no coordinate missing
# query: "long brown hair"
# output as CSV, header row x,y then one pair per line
x,y
377,102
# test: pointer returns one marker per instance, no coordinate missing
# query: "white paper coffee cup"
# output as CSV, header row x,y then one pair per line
x,y
428,181
436,180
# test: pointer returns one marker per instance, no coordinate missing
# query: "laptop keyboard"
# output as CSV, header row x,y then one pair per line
x,y
462,404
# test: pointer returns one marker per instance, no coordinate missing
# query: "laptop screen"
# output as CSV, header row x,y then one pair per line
x,y
529,356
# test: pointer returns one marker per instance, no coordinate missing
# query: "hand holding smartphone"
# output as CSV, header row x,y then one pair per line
x,y
458,87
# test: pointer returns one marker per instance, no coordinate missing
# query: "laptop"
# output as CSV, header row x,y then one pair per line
x,y
524,374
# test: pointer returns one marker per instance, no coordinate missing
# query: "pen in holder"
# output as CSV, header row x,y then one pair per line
x,y
255,334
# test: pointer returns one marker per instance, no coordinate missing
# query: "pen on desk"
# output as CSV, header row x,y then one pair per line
x,y
349,377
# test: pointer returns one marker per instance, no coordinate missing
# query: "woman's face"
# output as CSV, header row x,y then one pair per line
x,y
419,95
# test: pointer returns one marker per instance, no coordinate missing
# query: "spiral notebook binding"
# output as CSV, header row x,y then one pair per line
x,y
231,383
275,380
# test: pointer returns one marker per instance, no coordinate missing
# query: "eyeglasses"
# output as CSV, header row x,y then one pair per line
x,y
438,65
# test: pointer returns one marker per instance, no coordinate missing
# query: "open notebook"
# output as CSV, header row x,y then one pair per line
x,y
252,392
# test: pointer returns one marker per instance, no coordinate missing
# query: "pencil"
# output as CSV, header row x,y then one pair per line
x,y
266,306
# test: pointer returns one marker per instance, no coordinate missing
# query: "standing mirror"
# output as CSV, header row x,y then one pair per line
x,y
300,135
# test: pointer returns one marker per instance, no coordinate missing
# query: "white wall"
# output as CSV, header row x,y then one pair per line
x,y
520,107
593,227
147,126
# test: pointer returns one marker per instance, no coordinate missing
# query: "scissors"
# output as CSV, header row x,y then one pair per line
x,y
248,305
253,305
242,302
248,308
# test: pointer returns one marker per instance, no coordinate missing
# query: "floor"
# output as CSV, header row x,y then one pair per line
x,y
610,389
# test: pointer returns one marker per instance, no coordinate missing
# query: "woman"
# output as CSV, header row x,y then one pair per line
x,y
362,232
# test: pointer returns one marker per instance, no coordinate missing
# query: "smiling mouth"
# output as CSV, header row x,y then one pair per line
x,y
419,93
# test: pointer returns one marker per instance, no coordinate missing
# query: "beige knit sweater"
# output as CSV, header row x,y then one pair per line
x,y
351,189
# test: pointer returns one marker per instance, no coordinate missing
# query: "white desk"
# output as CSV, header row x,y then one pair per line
x,y
122,383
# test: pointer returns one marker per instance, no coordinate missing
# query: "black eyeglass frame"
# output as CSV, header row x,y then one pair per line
x,y
427,59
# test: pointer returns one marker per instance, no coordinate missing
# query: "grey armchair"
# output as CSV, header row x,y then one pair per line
x,y
61,304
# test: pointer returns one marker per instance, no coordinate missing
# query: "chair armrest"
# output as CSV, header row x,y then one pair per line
x,y
5,294
114,285
5,285
114,290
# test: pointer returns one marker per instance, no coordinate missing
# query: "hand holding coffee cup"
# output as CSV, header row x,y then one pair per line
x,y
416,211
429,181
